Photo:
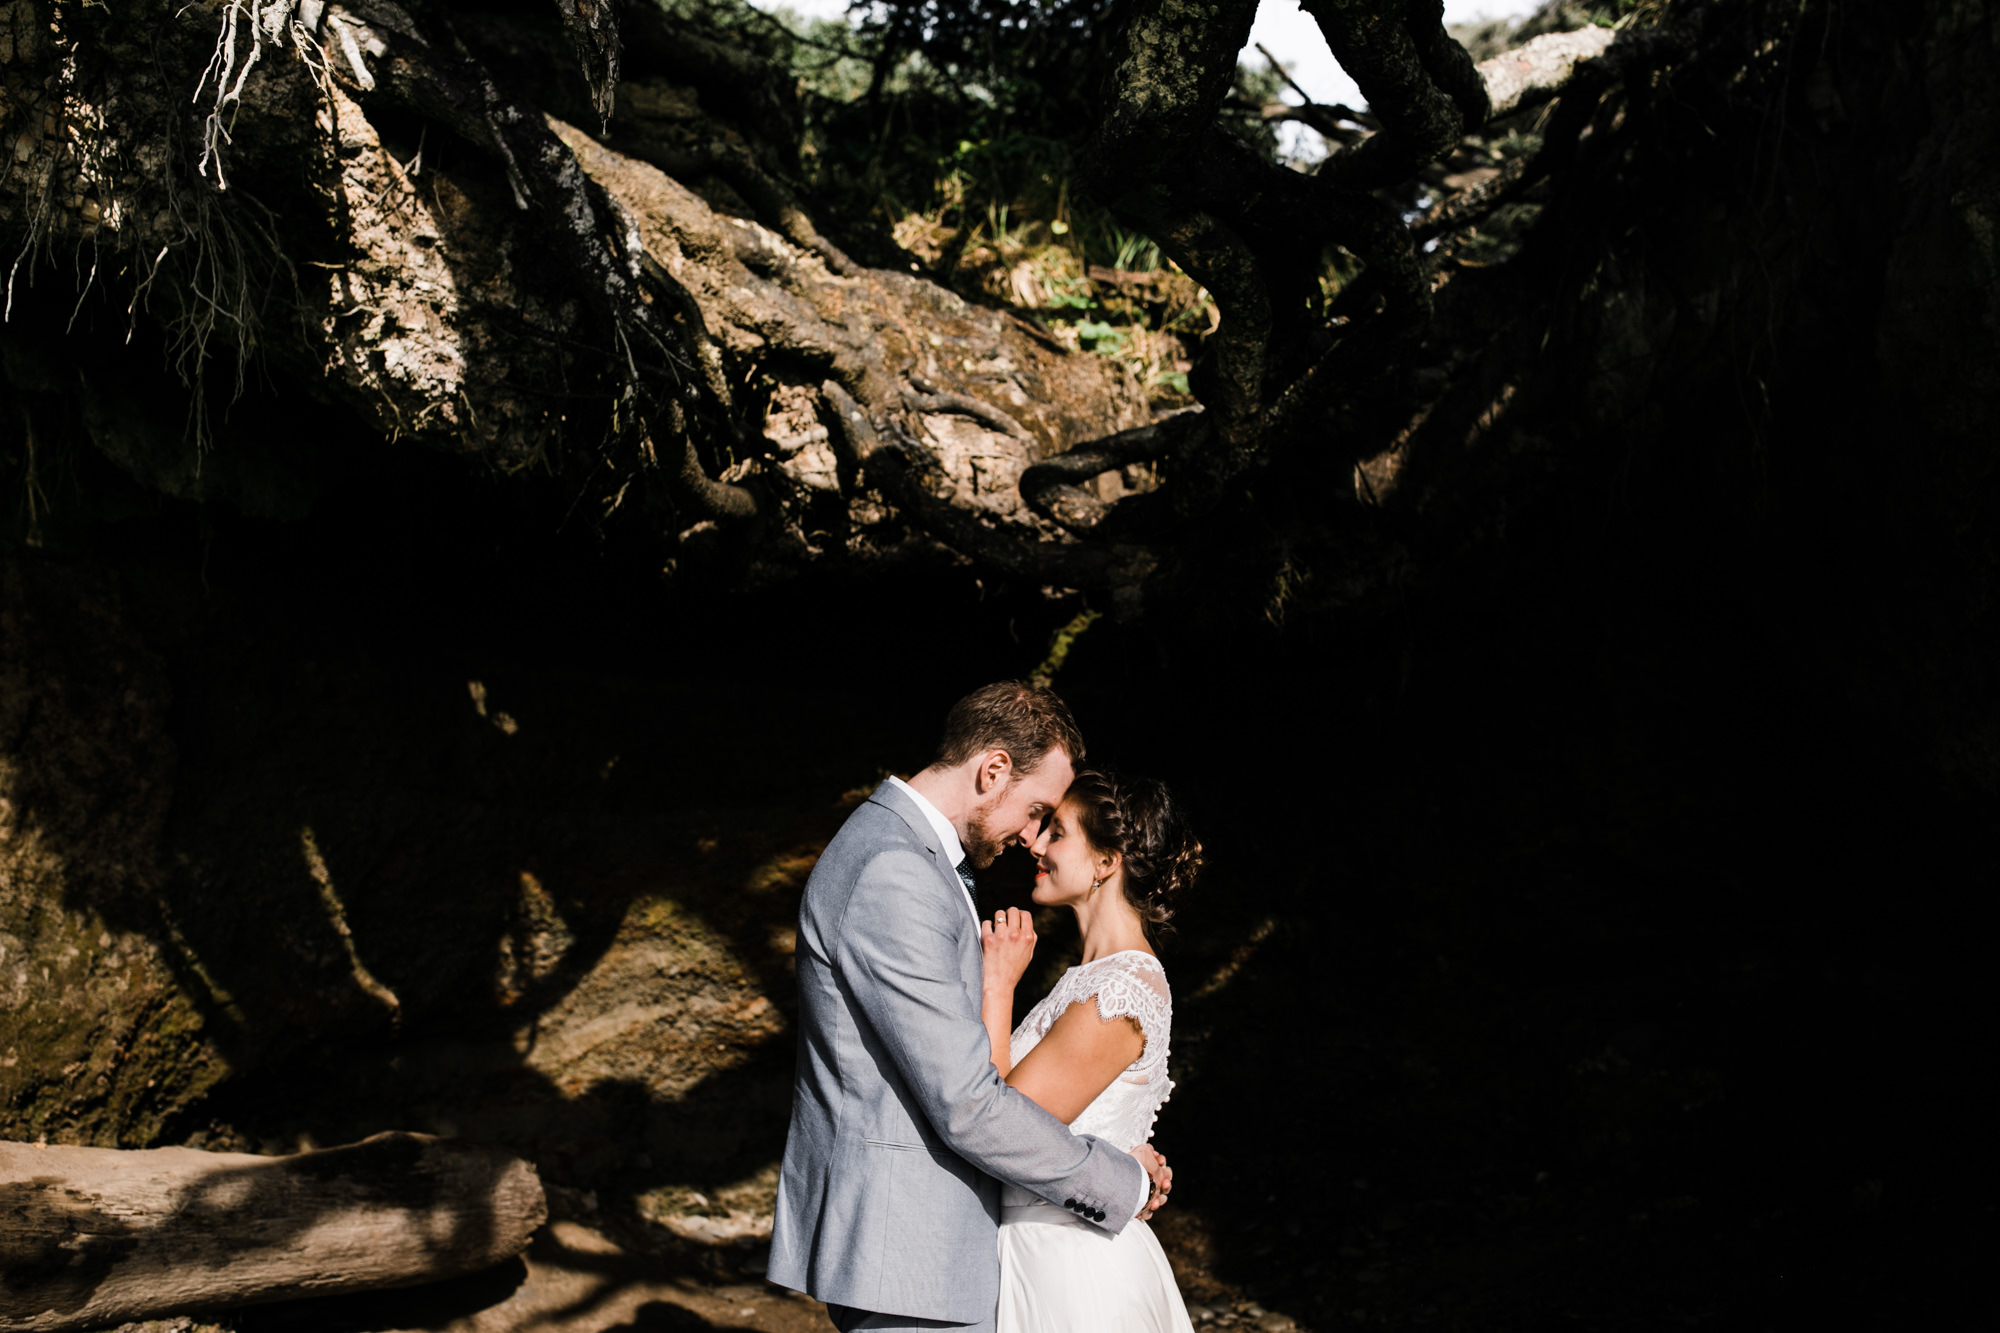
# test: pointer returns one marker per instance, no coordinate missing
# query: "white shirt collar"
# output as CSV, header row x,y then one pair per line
x,y
947,835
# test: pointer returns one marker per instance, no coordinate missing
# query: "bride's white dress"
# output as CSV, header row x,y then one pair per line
x,y
1058,1273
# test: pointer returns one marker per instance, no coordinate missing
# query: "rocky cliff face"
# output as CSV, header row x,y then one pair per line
x,y
101,1041
358,859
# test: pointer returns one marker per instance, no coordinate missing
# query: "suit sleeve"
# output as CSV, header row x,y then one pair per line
x,y
895,948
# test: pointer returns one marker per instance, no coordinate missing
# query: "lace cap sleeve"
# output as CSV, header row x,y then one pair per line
x,y
1133,986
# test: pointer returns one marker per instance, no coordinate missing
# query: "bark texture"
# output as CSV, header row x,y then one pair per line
x,y
91,1237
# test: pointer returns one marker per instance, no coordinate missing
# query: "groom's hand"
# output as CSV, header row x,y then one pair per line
x,y
1160,1174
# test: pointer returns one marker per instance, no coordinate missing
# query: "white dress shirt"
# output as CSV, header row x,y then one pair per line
x,y
953,849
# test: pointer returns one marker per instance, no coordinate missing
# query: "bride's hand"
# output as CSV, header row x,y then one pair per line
x,y
1008,940
1159,1174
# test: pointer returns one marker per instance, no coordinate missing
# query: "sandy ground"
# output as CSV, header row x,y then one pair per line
x,y
579,1281
576,1278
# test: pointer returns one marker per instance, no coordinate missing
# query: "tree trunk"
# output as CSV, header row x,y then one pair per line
x,y
94,1236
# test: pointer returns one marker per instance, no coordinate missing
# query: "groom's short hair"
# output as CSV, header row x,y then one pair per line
x,y
1027,721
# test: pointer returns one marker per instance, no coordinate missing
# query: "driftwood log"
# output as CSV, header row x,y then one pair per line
x,y
95,1236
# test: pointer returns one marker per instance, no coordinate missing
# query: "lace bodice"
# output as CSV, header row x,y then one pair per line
x,y
1127,985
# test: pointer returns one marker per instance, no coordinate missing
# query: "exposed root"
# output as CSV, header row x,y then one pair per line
x,y
1053,487
225,264
246,26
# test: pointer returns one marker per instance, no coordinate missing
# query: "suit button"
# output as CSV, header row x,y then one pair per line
x,y
1097,1215
1070,1204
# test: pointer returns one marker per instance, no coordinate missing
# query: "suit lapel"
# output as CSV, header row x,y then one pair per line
x,y
891,797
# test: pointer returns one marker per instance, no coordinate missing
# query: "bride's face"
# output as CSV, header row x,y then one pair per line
x,y
1067,864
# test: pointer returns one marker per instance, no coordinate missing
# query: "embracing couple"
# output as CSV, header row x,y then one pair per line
x,y
941,1171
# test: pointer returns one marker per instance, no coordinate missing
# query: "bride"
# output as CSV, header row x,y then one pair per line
x,y
1093,1052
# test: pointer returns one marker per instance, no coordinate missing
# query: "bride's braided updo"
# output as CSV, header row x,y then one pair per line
x,y
1139,819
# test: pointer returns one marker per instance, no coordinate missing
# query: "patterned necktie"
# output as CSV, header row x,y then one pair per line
x,y
971,884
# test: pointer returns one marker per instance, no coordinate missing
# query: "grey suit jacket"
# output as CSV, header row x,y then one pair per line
x,y
889,1196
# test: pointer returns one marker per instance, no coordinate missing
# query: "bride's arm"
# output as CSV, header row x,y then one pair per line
x,y
1008,942
1077,1060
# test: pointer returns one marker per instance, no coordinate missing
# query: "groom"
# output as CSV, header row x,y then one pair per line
x,y
889,1196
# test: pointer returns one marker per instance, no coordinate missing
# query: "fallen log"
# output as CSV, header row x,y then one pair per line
x,y
91,1237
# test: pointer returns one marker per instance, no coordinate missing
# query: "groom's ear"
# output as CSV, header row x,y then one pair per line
x,y
994,768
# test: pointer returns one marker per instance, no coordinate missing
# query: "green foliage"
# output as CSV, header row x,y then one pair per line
x,y
1100,336
965,114
1060,644
1136,251
942,136
945,134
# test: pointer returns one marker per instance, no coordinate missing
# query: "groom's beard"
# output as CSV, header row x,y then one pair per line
x,y
981,844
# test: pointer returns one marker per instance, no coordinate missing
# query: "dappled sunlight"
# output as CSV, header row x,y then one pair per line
x,y
1239,957
504,722
336,917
